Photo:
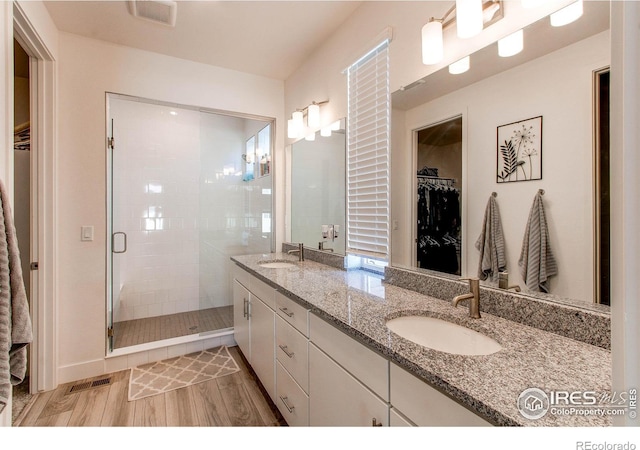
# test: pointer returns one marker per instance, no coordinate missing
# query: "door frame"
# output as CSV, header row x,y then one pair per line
x,y
42,82
414,129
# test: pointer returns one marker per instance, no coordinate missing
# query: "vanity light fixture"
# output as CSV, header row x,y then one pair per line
x,y
471,17
292,133
432,43
460,66
313,115
511,45
567,14
298,122
295,125
310,137
335,126
325,131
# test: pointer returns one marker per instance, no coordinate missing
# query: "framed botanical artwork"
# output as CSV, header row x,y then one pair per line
x,y
519,151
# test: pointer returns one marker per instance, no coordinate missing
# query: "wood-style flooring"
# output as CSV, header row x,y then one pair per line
x,y
232,400
151,329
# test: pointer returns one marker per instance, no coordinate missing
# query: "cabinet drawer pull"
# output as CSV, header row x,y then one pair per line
x,y
375,423
286,311
245,311
284,400
286,352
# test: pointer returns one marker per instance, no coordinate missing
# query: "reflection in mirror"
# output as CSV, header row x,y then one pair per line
x,y
553,77
439,158
318,191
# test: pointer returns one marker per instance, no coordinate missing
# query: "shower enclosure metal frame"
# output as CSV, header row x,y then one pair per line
x,y
111,142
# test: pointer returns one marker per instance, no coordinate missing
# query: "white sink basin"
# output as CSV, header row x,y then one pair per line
x,y
444,336
277,265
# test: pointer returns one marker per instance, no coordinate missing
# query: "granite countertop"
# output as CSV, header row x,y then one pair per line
x,y
360,303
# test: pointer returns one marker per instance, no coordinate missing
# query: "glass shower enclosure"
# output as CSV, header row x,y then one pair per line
x,y
187,189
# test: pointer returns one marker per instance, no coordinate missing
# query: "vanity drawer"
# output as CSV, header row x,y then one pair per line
x,y
363,363
426,406
291,400
243,277
263,291
292,352
293,313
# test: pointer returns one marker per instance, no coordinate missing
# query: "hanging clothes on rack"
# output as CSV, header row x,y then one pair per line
x,y
438,246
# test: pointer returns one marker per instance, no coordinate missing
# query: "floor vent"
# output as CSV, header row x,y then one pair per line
x,y
89,385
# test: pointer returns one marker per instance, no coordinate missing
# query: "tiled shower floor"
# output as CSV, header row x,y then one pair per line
x,y
141,331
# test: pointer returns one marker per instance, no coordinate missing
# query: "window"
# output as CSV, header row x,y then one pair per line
x,y
368,136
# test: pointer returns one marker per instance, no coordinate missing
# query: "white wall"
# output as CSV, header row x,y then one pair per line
x,y
87,69
558,87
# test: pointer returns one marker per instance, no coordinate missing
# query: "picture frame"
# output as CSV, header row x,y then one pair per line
x,y
519,151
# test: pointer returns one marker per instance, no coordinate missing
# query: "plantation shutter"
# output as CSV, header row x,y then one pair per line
x,y
368,135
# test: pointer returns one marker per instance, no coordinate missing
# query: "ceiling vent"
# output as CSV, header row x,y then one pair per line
x,y
162,12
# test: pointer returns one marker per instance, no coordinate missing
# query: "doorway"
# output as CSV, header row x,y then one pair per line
x,y
22,175
438,224
602,190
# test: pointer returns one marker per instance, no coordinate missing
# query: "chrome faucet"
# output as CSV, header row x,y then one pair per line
x,y
321,247
473,297
299,251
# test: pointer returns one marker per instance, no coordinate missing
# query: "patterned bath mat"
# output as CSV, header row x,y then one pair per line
x,y
175,373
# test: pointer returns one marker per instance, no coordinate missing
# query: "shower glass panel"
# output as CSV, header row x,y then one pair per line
x,y
180,206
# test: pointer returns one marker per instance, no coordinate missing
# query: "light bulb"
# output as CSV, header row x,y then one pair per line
x,y
432,45
460,66
292,133
298,123
469,18
511,45
313,116
567,14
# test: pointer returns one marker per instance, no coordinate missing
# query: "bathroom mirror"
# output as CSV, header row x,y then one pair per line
x,y
318,191
553,77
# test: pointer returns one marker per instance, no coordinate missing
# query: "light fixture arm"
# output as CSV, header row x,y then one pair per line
x,y
449,18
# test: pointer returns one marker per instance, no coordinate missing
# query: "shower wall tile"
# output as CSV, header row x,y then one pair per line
x,y
159,163
184,207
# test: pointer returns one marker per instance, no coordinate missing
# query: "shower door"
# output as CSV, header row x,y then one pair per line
x,y
181,203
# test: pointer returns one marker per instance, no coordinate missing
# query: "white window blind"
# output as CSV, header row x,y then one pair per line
x,y
368,154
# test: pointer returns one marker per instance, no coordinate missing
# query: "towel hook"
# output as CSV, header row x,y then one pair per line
x,y
541,191
495,194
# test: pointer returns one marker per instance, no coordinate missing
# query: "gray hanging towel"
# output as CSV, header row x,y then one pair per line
x,y
536,262
490,243
15,322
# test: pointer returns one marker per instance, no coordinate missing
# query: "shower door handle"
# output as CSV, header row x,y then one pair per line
x,y
113,242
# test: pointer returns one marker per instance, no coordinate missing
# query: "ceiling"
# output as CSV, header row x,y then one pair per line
x,y
268,38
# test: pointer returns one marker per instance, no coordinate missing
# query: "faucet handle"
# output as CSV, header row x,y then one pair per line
x,y
474,282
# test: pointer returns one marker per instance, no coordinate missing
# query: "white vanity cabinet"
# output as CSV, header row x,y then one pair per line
x,y
292,362
426,406
241,297
348,383
317,375
254,325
